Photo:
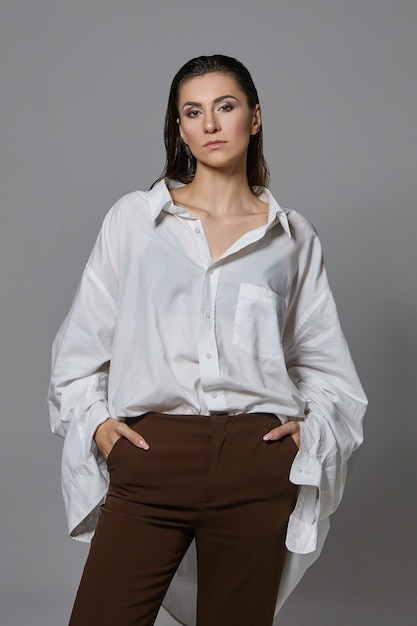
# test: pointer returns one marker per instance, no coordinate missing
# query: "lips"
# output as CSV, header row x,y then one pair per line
x,y
214,143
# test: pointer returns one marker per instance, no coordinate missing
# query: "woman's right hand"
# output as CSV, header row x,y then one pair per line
x,y
111,430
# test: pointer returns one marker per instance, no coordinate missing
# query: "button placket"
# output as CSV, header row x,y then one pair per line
x,y
208,353
200,239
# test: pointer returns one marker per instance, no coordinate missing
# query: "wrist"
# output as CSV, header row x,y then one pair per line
x,y
100,427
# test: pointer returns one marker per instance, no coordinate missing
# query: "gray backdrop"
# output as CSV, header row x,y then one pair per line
x,y
84,85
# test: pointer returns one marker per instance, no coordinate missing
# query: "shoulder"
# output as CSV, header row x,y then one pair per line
x,y
127,210
300,225
306,242
131,202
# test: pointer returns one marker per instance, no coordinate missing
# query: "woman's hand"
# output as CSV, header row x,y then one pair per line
x,y
290,428
111,430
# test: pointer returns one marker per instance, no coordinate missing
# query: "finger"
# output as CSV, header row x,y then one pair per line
x,y
131,435
290,428
275,434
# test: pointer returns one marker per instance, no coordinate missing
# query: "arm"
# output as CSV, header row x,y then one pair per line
x,y
80,370
319,364
82,348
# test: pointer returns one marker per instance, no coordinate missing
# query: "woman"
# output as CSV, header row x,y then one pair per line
x,y
202,367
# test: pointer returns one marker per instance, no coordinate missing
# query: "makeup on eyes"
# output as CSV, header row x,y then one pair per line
x,y
191,109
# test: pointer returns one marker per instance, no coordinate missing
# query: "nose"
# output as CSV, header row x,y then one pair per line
x,y
211,124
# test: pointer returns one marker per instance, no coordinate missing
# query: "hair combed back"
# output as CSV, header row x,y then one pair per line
x,y
180,164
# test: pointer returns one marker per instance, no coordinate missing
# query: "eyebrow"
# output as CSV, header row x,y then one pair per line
x,y
215,101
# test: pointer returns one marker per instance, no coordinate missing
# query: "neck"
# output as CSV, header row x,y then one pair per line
x,y
218,192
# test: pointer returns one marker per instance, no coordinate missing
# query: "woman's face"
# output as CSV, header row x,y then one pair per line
x,y
215,120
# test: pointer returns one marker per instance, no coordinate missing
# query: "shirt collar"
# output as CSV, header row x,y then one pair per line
x,y
275,211
160,200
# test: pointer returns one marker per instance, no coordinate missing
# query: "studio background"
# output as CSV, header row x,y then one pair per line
x,y
83,90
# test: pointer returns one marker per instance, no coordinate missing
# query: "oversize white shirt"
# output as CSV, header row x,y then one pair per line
x,y
157,326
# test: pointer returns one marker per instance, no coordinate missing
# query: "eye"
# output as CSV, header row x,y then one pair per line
x,y
226,107
192,113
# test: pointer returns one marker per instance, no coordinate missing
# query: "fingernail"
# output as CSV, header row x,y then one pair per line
x,y
266,437
143,445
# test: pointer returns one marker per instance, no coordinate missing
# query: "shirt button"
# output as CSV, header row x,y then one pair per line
x,y
307,471
197,230
208,355
298,469
213,394
207,314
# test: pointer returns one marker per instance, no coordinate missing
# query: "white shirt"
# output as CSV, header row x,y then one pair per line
x,y
157,326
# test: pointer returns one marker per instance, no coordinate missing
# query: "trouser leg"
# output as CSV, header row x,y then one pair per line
x,y
132,559
146,523
241,535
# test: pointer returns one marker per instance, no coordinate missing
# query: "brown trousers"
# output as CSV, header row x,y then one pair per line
x,y
212,479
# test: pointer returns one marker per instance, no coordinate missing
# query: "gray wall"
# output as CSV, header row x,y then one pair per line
x,y
83,89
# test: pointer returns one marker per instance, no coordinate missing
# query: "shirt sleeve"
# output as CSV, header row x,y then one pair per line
x,y
77,394
319,363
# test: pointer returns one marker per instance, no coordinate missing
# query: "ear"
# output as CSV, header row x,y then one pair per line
x,y
256,120
182,134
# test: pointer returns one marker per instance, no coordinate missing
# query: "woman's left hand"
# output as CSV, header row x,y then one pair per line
x,y
290,428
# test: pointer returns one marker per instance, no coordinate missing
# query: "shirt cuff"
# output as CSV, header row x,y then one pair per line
x,y
306,470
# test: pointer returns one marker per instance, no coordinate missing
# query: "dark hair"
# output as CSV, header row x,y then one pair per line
x,y
180,164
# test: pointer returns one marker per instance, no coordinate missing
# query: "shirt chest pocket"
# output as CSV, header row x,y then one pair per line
x,y
259,315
